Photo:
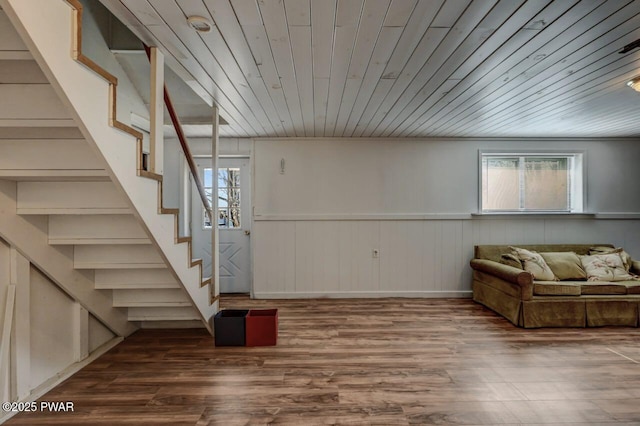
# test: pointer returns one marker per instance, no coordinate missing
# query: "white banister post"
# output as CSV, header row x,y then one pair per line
x,y
156,110
215,252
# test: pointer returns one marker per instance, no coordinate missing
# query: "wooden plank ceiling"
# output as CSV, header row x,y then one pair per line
x,y
404,68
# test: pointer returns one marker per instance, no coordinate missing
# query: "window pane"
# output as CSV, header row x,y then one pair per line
x,y
234,177
234,197
208,181
207,221
546,184
223,198
223,178
234,219
208,192
223,218
500,184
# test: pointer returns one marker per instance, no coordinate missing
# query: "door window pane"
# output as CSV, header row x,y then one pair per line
x,y
228,198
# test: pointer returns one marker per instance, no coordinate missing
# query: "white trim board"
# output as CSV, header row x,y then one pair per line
x,y
362,216
445,216
463,294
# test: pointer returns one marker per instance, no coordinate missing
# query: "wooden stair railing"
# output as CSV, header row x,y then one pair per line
x,y
185,146
77,55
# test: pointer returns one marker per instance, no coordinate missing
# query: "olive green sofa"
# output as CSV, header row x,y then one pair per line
x,y
514,294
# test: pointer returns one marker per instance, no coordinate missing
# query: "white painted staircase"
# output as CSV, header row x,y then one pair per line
x,y
72,197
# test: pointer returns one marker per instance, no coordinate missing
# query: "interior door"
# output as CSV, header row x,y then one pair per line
x,y
233,219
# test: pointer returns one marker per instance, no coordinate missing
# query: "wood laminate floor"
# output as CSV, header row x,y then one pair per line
x,y
376,361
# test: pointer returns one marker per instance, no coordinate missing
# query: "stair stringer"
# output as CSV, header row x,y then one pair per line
x,y
90,94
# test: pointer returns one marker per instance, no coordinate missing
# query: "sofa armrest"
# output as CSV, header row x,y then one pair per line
x,y
516,276
635,267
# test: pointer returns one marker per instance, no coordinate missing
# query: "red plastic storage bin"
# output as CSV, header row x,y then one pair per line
x,y
261,327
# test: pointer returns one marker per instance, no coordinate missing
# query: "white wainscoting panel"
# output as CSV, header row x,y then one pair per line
x,y
274,247
417,258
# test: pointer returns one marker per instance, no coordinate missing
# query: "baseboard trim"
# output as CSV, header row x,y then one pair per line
x,y
363,294
60,377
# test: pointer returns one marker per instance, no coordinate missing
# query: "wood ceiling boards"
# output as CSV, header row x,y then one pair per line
x,y
404,68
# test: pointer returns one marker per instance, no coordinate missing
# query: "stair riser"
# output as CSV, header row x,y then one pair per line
x,y
150,298
70,198
9,38
116,257
48,154
134,279
31,102
163,314
21,72
96,229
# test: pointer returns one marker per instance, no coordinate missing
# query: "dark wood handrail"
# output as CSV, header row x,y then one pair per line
x,y
185,146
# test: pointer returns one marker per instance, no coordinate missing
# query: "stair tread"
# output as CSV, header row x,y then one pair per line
x,y
98,241
137,286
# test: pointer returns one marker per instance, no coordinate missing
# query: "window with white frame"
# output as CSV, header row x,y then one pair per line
x,y
531,182
228,215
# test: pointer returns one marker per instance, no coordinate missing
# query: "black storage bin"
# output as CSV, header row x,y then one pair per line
x,y
229,327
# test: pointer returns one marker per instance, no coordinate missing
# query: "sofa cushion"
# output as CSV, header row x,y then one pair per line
x,y
534,263
633,287
626,258
556,288
605,267
565,265
602,288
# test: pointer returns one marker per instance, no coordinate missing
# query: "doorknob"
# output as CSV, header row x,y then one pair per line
x,y
247,232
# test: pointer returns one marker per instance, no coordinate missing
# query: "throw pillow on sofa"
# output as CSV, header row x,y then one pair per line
x,y
605,267
511,260
565,265
534,263
626,258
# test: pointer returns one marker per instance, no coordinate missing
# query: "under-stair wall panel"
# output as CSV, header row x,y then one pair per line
x,y
98,334
51,335
51,323
96,229
70,198
116,257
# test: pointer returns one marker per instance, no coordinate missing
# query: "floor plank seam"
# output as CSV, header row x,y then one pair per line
x,y
623,356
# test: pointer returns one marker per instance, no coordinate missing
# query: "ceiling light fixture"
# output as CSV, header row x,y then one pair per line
x,y
199,23
634,84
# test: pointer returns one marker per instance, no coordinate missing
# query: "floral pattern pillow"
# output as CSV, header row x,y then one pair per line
x,y
534,263
605,267
626,258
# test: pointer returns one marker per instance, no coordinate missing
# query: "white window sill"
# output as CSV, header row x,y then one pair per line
x,y
537,215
